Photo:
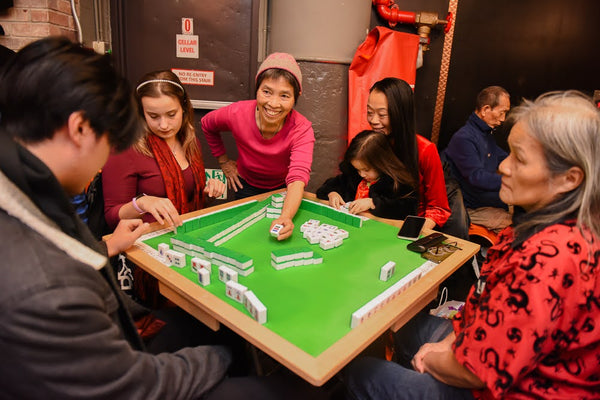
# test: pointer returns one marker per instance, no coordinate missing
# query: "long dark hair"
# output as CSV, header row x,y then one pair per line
x,y
372,148
401,112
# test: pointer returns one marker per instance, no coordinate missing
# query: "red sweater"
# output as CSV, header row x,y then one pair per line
x,y
130,173
530,328
432,186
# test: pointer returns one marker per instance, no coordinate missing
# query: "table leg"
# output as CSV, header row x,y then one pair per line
x,y
188,306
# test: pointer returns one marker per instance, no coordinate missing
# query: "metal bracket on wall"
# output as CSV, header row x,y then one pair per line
x,y
424,20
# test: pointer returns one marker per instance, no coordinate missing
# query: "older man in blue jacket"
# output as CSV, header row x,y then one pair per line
x,y
475,156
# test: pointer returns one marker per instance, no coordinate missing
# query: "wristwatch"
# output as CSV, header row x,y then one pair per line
x,y
134,203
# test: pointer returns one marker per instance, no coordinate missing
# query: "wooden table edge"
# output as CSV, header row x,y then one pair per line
x,y
212,311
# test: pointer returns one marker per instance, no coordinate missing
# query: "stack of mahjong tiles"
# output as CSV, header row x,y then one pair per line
x,y
294,257
326,235
274,211
193,247
330,212
171,257
390,293
241,294
221,233
203,268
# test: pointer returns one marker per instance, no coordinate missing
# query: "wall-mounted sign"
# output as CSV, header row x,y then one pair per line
x,y
187,26
187,46
195,77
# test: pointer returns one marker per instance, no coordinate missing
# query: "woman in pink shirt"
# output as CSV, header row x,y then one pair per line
x,y
274,141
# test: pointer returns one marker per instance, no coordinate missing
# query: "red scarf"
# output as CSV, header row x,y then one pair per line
x,y
173,175
362,191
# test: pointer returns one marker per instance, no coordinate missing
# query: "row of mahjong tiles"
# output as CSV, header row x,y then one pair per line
x,y
310,306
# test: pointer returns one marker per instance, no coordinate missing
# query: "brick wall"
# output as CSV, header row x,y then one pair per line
x,y
30,20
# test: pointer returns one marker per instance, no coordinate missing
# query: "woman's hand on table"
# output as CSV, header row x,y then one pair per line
x,y
161,208
429,224
230,170
287,230
214,188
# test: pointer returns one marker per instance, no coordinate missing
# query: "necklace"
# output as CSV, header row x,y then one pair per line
x,y
260,128
173,149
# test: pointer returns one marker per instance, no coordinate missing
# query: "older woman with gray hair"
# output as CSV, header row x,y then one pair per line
x,y
530,327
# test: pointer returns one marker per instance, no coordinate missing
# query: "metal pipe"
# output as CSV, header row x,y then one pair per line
x,y
424,21
98,35
77,24
390,12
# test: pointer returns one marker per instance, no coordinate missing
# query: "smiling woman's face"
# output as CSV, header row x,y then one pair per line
x,y
377,112
275,99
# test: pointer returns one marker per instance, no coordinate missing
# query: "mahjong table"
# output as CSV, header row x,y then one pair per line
x,y
309,324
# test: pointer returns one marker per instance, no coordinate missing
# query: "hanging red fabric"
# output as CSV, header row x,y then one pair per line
x,y
384,53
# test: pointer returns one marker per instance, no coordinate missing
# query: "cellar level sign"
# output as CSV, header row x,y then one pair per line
x,y
187,46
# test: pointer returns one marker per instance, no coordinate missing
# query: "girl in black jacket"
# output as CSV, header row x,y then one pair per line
x,y
372,179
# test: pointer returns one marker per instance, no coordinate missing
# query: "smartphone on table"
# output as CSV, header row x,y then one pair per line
x,y
411,228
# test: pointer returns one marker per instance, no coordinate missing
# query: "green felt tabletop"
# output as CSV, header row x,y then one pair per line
x,y
310,306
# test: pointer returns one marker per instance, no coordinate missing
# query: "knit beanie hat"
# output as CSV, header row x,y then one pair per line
x,y
283,61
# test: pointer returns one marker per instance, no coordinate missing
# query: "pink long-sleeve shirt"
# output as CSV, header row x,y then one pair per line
x,y
263,163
